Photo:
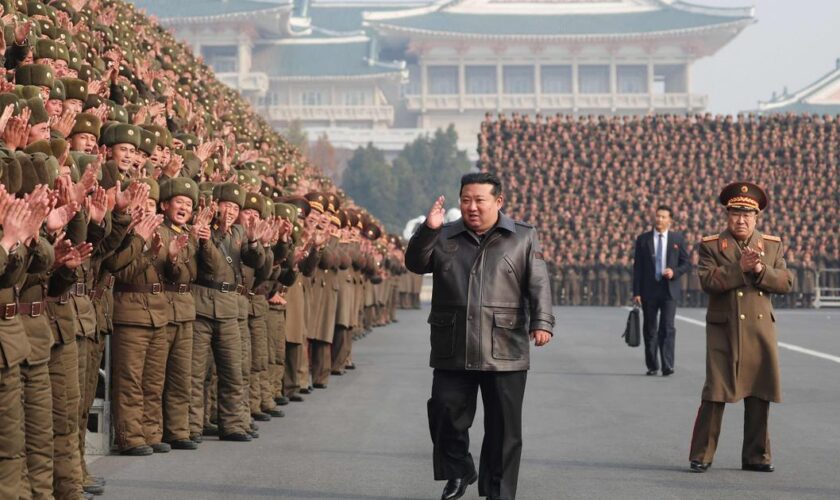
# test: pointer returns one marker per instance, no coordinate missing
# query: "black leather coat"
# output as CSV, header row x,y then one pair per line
x,y
488,294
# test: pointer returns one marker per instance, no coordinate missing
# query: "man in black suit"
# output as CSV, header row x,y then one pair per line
x,y
660,258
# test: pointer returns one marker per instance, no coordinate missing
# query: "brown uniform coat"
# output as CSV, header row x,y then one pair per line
x,y
742,358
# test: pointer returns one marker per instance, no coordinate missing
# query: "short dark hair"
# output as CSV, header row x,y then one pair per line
x,y
482,178
667,209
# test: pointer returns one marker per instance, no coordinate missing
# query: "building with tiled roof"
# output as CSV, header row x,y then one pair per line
x,y
820,97
386,70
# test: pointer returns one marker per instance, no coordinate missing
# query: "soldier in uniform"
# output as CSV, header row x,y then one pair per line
x,y
739,269
216,327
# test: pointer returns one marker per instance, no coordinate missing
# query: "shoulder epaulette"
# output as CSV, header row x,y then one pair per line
x,y
712,237
770,237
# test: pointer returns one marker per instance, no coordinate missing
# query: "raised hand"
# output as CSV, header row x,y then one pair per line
x,y
434,219
15,224
157,244
78,254
147,226
98,205
173,168
16,133
8,111
61,216
63,124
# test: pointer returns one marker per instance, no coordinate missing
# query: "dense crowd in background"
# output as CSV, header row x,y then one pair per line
x,y
148,213
590,183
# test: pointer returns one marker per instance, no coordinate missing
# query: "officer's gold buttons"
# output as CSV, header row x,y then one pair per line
x,y
740,293
743,317
760,316
761,293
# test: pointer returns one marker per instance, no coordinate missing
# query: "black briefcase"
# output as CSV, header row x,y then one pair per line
x,y
633,330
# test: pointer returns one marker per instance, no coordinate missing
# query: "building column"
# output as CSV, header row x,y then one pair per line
x,y
688,85
613,83
462,85
244,55
333,105
499,84
650,83
575,85
538,85
424,83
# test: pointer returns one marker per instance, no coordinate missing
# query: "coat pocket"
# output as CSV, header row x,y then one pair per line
x,y
442,334
717,317
510,341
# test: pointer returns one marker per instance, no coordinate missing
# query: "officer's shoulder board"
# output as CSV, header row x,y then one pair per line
x,y
770,237
709,238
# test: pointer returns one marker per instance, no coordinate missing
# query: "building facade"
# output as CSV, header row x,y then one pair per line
x,y
384,71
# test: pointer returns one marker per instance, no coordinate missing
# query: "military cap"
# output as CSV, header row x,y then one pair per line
x,y
246,178
9,99
191,162
304,207
27,91
93,101
75,88
154,188
339,219
164,137
371,232
45,49
268,208
75,62
189,140
29,176
286,211
266,190
317,201
333,203
39,112
58,92
148,141
10,173
34,74
121,133
46,168
61,52
117,113
254,201
179,186
229,191
41,146
86,72
87,123
352,218
743,196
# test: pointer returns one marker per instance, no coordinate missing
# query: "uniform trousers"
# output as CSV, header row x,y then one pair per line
x,y
295,360
37,471
11,437
451,411
756,446
172,384
224,338
321,359
64,381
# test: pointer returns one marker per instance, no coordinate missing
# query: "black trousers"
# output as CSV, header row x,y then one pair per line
x,y
451,412
659,335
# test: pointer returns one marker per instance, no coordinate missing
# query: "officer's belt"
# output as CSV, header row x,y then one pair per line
x,y
62,299
8,311
222,286
79,289
33,309
262,289
153,288
179,288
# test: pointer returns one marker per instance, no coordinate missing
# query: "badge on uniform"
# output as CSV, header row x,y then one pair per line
x,y
229,260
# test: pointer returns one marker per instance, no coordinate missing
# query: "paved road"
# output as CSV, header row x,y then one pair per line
x,y
595,427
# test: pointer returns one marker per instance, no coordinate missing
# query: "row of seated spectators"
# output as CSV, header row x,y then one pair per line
x,y
590,183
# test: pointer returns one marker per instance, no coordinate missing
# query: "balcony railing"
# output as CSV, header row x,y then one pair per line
x,y
332,113
246,82
557,101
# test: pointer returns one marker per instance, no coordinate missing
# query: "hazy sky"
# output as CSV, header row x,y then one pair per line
x,y
793,43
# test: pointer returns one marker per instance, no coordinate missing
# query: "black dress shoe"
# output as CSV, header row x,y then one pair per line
x,y
236,436
275,413
161,448
95,480
254,434
282,400
665,373
651,372
295,398
306,390
210,430
337,373
94,489
138,451
183,444
696,466
758,467
261,417
350,366
196,438
455,488
320,386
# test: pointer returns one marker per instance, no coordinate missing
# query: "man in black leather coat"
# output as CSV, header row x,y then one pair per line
x,y
491,294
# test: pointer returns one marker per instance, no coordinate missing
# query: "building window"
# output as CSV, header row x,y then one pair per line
x,y
594,79
670,79
443,80
632,79
519,79
481,79
222,58
556,79
272,98
356,98
311,98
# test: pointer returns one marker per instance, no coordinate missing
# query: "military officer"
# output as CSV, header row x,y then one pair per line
x,y
739,269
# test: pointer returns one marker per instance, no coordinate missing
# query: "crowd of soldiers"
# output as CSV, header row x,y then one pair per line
x,y
589,184
148,214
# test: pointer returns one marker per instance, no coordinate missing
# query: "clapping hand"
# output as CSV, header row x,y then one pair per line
x,y
751,261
